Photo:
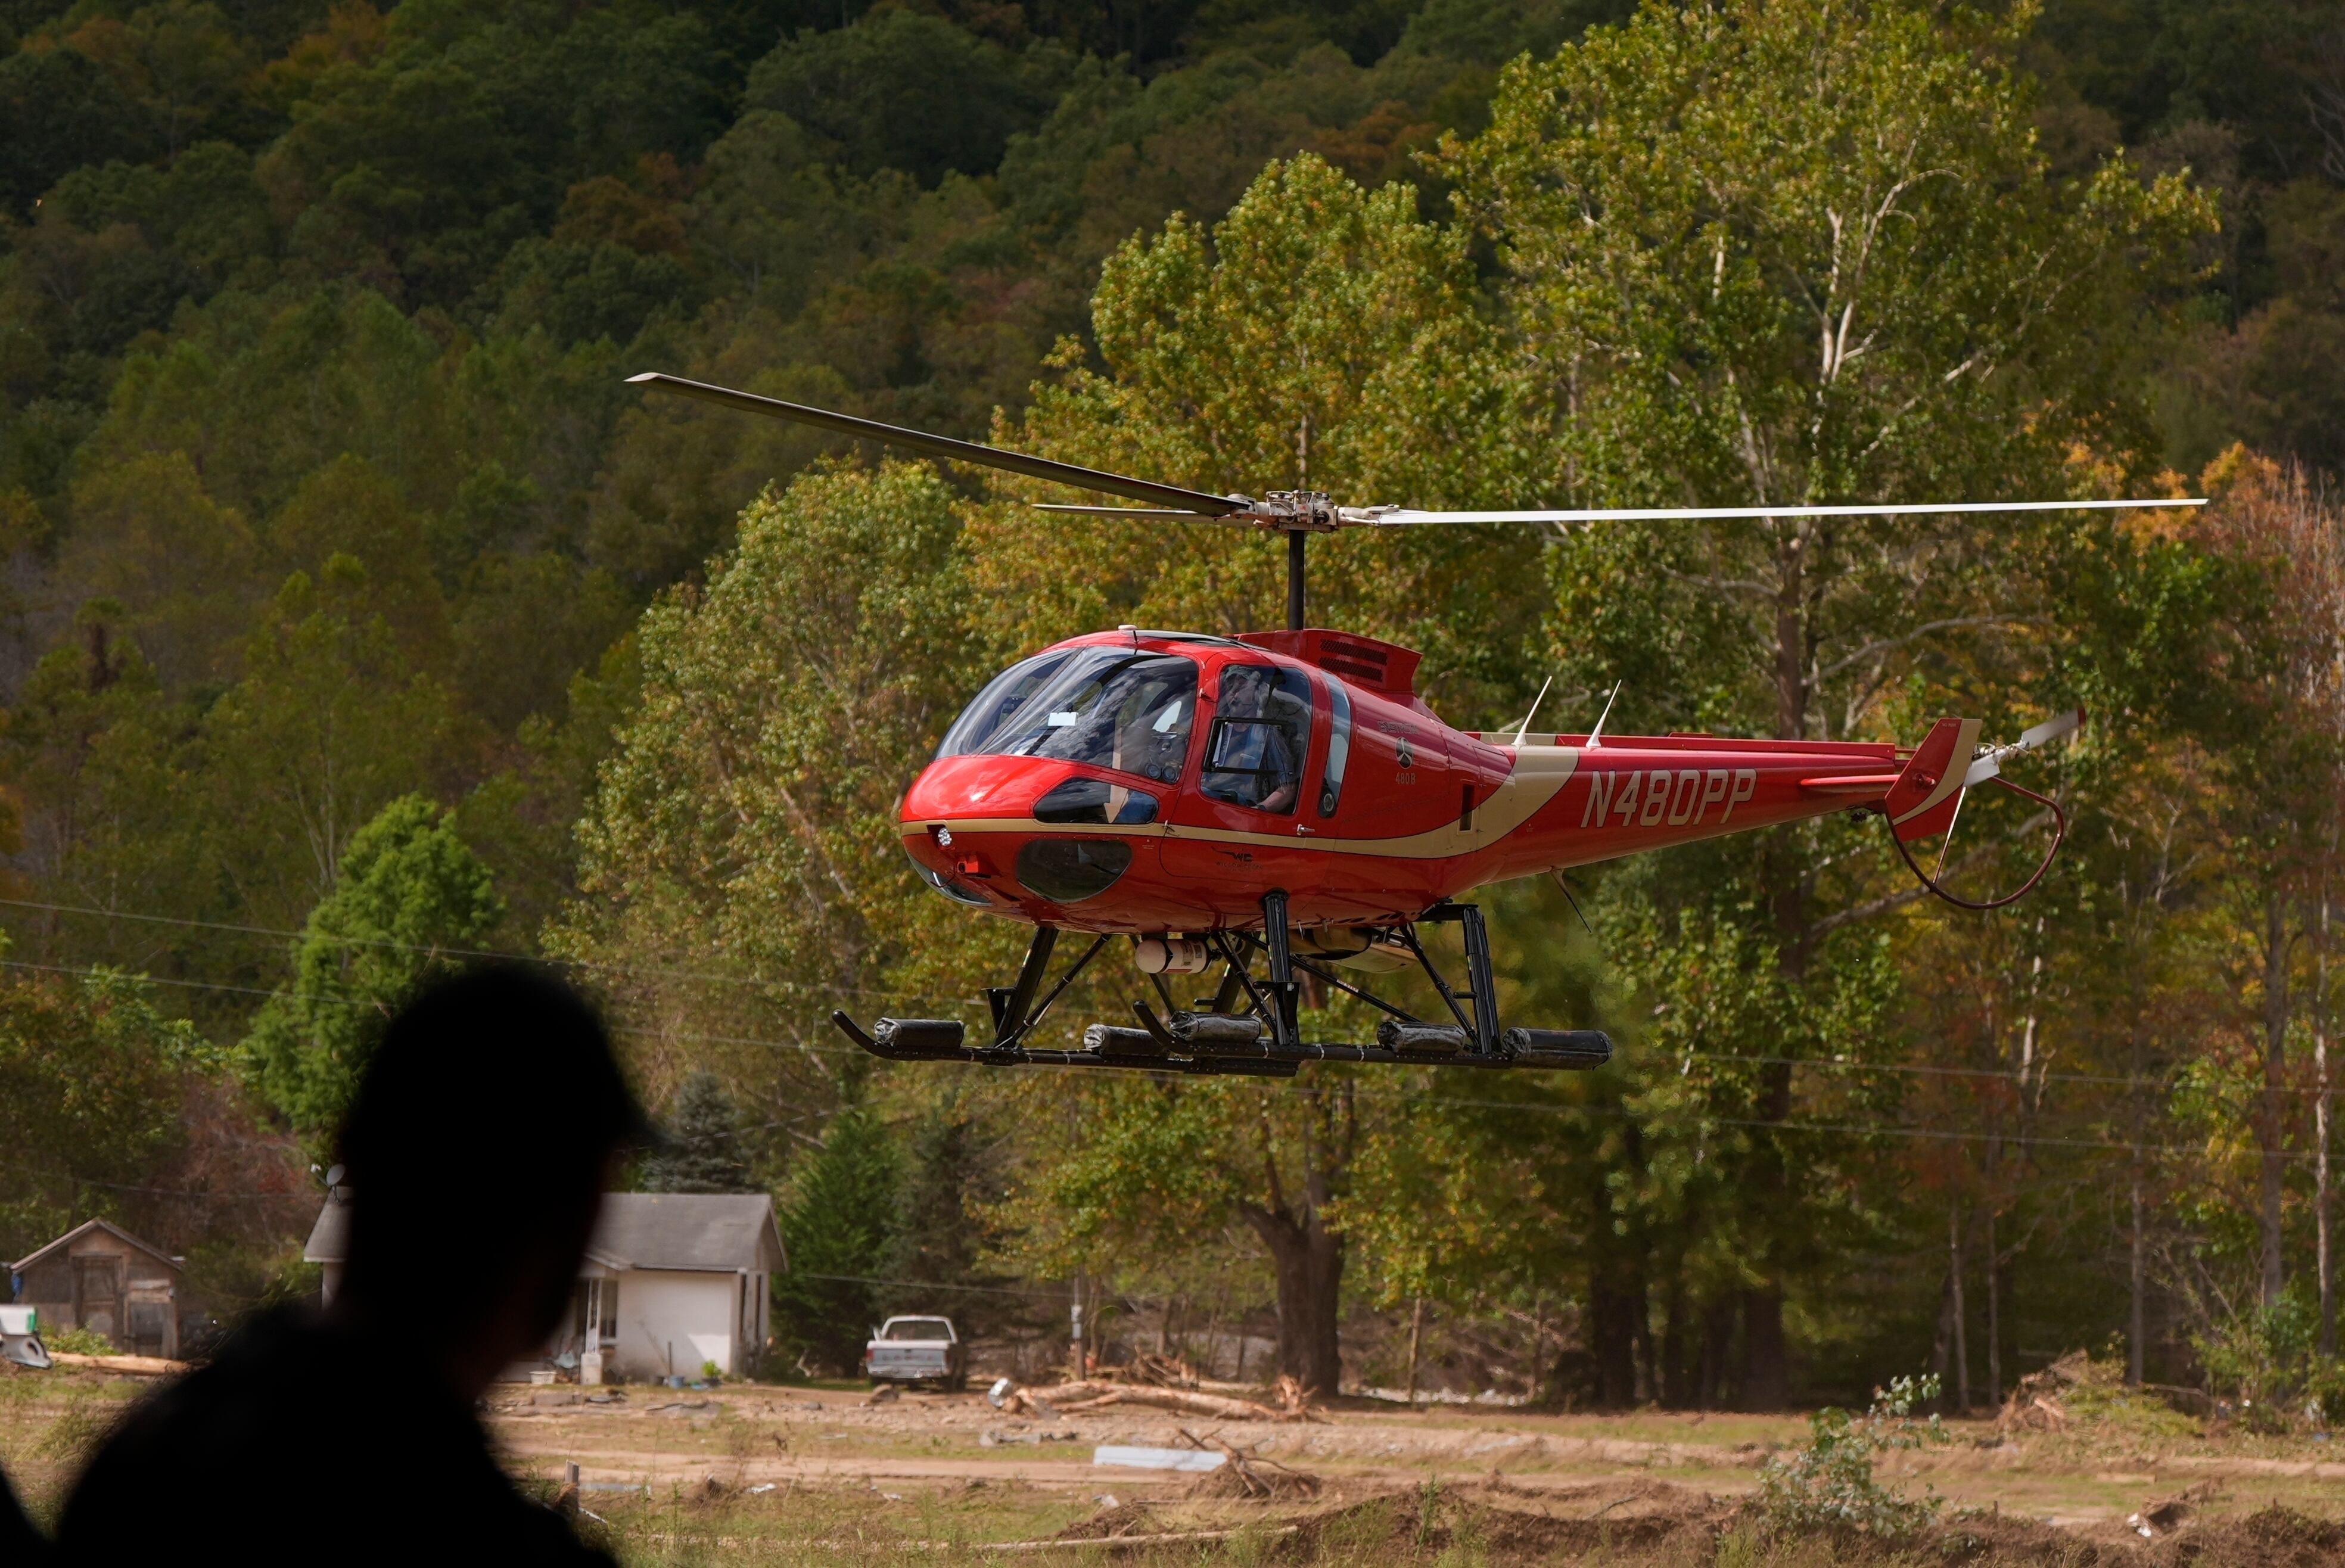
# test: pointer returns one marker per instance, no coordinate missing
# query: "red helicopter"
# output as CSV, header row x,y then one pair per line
x,y
1282,805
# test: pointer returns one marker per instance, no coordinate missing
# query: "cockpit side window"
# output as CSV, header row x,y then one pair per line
x,y
1339,748
1260,737
1108,707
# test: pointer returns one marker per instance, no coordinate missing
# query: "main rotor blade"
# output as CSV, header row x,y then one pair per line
x,y
1402,517
1194,500
1133,513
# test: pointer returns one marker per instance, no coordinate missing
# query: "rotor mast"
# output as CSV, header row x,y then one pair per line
x,y
1295,541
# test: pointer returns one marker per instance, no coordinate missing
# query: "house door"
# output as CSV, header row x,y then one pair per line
x,y
97,1295
149,1320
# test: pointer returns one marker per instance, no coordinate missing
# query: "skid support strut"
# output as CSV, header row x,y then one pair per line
x,y
1011,1003
1286,993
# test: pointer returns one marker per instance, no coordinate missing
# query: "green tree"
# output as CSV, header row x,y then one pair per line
x,y
1804,253
738,868
329,723
93,1083
954,1175
703,1153
408,898
839,1221
1319,336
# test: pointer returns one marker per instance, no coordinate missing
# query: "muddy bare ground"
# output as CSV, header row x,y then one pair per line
x,y
760,1473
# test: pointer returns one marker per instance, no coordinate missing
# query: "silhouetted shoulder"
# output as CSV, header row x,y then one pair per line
x,y
302,1441
19,1542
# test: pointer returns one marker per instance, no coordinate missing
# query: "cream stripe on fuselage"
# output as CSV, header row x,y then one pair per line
x,y
1539,773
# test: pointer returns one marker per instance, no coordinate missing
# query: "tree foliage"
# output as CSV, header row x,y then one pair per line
x,y
703,1153
839,1219
409,901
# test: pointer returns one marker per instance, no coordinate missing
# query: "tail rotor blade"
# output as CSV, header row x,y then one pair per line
x,y
2053,728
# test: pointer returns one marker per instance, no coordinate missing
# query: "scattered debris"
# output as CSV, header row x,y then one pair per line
x,y
1114,1521
1245,1475
1005,1437
1294,1401
681,1407
2166,1515
885,1394
20,1340
2036,1404
1133,1457
554,1397
760,1490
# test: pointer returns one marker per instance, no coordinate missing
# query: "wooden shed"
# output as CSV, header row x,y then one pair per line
x,y
99,1275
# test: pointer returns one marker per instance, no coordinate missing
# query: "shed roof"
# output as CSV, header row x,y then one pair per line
x,y
722,1232
84,1227
712,1231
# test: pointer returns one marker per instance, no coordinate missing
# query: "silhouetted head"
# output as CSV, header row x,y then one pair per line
x,y
476,1151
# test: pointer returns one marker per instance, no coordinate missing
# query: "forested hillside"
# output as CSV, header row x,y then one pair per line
x,y
359,618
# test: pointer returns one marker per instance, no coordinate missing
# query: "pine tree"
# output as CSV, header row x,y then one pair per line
x,y
839,1225
941,1237
705,1154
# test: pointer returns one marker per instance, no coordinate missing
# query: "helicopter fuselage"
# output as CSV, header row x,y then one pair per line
x,y
1147,783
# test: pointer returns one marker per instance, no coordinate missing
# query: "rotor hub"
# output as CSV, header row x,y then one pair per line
x,y
1294,512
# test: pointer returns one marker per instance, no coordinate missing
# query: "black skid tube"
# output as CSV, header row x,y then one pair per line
x,y
1140,1050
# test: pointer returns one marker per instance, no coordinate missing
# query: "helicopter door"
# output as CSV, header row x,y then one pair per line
x,y
1255,787
1260,739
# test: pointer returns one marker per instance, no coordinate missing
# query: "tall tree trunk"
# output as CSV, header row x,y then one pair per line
x,y
1767,1373
1415,1339
2324,1240
1677,1333
1995,1286
1615,1298
1306,1260
2269,1129
2137,1260
1717,1352
1954,1274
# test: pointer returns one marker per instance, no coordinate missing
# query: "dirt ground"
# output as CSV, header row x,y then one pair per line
x,y
760,1473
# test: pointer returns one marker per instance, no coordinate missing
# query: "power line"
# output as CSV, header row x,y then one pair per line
x,y
1850,1130
390,944
827,988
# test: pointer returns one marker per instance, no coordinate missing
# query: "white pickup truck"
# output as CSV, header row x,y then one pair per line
x,y
918,1351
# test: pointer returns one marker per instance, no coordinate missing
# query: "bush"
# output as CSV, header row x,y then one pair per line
x,y
80,1343
1829,1485
2266,1360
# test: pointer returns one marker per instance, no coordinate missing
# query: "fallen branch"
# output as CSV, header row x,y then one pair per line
x,y
137,1366
1097,1393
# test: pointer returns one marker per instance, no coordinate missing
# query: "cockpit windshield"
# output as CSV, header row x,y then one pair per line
x,y
1109,707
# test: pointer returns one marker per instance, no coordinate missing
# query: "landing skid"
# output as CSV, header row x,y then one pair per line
x,y
1250,1025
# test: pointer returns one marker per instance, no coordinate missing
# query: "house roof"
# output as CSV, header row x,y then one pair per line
x,y
84,1229
725,1232
728,1231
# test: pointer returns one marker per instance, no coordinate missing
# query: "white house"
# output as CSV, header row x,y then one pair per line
x,y
671,1282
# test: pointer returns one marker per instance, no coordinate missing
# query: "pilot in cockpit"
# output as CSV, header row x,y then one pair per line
x,y
1255,762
